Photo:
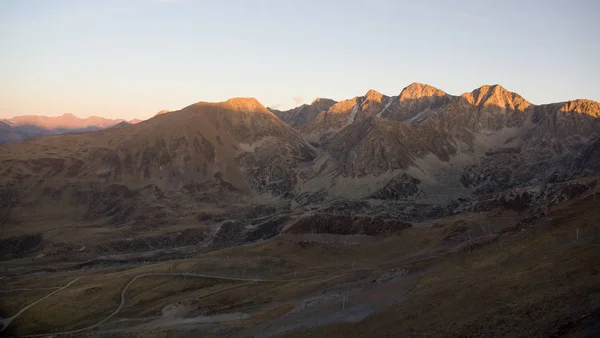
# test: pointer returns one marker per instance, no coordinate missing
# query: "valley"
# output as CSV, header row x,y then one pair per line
x,y
292,286
417,214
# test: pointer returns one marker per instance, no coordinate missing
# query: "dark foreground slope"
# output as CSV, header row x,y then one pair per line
x,y
474,274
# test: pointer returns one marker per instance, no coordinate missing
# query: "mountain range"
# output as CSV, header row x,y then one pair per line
x,y
421,213
22,127
419,155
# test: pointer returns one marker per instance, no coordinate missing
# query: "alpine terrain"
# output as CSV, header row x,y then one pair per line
x,y
421,213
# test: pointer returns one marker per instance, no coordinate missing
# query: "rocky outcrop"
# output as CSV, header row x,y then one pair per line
x,y
374,146
341,114
347,225
301,116
399,188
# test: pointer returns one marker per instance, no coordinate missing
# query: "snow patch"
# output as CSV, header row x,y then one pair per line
x,y
353,113
387,105
421,116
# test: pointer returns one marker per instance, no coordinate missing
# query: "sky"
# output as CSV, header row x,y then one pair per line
x,y
131,58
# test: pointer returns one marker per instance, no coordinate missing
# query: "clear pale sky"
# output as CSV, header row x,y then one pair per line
x,y
131,58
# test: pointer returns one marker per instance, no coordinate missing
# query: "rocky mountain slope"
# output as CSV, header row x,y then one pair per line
x,y
20,128
304,114
341,114
484,141
158,172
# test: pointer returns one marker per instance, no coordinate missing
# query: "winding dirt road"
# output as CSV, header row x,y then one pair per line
x,y
174,274
5,322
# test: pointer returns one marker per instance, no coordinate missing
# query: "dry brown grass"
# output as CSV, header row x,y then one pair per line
x,y
277,259
537,283
534,282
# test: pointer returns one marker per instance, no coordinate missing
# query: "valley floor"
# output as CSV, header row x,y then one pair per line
x,y
539,278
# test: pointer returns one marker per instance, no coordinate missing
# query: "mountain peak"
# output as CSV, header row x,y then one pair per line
x,y
321,100
418,90
582,106
164,111
373,95
245,104
121,124
323,103
343,106
495,89
496,95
